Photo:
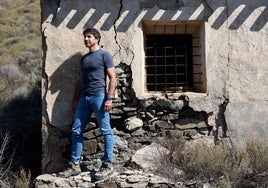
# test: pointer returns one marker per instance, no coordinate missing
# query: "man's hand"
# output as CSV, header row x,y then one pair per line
x,y
108,105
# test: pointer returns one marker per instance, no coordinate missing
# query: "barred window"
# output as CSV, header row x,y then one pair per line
x,y
169,62
173,57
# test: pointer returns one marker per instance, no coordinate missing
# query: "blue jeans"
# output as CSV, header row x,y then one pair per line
x,y
85,107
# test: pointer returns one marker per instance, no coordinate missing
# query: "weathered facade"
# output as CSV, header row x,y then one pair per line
x,y
225,86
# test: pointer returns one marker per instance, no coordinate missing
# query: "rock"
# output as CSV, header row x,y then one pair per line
x,y
90,146
169,105
159,180
120,143
190,123
136,178
133,123
162,125
89,135
149,157
45,178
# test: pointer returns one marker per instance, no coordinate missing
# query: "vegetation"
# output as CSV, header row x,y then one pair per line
x,y
20,46
20,90
20,117
225,167
7,178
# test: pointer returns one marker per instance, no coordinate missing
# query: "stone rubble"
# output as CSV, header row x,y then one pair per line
x,y
233,71
138,152
140,128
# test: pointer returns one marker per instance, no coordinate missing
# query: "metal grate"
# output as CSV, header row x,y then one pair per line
x,y
169,62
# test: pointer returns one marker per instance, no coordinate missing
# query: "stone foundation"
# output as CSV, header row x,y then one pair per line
x,y
234,72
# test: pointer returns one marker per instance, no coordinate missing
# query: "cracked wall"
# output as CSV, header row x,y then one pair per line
x,y
235,57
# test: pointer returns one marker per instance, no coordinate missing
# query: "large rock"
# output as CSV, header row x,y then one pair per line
x,y
150,157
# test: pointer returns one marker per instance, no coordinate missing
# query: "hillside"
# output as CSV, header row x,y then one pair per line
x,y
20,46
20,78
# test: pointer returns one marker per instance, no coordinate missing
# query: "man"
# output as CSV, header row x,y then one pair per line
x,y
91,97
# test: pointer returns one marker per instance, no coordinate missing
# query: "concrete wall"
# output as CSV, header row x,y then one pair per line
x,y
234,56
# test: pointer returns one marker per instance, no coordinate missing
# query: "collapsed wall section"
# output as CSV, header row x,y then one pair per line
x,y
233,54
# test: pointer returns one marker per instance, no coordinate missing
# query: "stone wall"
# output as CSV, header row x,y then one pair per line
x,y
234,57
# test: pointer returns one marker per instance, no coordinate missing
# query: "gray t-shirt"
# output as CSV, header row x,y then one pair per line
x,y
93,67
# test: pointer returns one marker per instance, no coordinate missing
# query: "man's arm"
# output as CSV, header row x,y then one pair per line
x,y
112,81
111,88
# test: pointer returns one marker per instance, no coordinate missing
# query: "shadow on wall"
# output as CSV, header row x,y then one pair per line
x,y
223,9
62,83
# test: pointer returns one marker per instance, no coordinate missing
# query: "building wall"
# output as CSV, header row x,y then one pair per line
x,y
234,58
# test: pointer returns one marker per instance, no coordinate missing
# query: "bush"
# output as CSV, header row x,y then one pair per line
x,y
222,165
20,89
257,152
7,177
5,164
23,179
256,157
205,163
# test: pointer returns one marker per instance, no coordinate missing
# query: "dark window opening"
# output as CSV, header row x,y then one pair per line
x,y
169,62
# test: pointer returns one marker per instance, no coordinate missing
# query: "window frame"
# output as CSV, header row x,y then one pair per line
x,y
196,28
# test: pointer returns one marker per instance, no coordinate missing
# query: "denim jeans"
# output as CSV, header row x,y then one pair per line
x,y
85,107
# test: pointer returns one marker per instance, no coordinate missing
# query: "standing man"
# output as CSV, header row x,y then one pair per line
x,y
92,96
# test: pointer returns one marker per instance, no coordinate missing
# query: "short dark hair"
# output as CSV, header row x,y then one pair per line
x,y
93,31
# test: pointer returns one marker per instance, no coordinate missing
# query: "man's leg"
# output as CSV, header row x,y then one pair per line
x,y
103,119
81,118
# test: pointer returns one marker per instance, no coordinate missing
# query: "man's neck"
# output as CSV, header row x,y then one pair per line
x,y
94,48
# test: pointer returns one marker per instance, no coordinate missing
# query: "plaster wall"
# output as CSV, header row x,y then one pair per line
x,y
235,53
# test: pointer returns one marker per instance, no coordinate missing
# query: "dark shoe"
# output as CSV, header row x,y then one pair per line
x,y
71,170
105,171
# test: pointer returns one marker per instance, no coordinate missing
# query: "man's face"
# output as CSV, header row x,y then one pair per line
x,y
90,40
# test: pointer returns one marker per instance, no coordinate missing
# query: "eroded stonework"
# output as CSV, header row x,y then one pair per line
x,y
236,62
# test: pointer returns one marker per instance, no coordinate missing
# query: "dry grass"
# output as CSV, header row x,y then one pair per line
x,y
7,177
20,43
20,77
222,165
23,179
5,174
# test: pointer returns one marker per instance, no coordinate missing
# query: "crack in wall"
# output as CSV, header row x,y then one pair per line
x,y
127,49
133,54
45,78
115,29
221,123
229,47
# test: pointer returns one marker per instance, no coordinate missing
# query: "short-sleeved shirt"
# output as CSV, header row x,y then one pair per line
x,y
93,66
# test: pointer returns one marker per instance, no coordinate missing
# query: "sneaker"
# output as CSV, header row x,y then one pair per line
x,y
71,170
105,170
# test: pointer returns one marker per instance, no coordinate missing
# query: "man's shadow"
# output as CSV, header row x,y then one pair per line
x,y
62,84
